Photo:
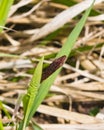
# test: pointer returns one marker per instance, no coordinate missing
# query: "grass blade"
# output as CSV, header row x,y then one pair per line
x,y
4,10
1,126
4,110
29,98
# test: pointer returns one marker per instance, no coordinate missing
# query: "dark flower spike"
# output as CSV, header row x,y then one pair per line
x,y
56,64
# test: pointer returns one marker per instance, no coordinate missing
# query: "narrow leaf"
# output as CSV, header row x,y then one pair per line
x,y
4,110
4,10
35,126
32,92
1,125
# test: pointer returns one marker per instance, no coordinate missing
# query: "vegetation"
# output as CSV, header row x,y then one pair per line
x,y
35,33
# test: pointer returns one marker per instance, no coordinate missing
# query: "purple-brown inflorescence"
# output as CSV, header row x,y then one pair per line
x,y
56,64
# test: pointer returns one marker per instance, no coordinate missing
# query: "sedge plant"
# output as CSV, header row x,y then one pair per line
x,y
37,89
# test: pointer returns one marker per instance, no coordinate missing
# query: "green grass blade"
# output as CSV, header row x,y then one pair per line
x,y
65,50
65,2
29,98
4,10
1,126
4,110
35,126
9,55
